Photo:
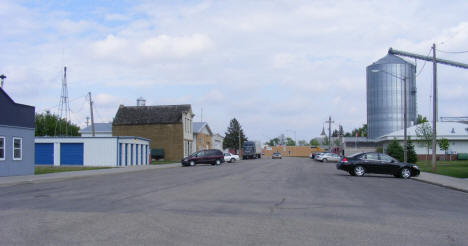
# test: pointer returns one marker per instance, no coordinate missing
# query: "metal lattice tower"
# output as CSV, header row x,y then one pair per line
x,y
64,108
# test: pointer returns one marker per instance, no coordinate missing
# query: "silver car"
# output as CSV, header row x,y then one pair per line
x,y
326,157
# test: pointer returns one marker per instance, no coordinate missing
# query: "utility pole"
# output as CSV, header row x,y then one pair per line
x,y
87,121
2,77
405,124
239,141
92,116
329,132
434,107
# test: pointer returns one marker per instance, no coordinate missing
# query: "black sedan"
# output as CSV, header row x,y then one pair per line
x,y
371,162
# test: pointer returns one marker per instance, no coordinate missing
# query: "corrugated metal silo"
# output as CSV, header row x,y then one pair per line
x,y
385,111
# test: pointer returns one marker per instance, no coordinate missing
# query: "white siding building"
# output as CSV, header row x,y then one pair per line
x,y
217,141
456,133
100,130
92,151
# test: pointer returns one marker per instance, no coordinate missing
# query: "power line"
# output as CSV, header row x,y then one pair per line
x,y
424,64
452,52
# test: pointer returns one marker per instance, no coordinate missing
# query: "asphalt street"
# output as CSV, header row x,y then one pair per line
x,y
292,201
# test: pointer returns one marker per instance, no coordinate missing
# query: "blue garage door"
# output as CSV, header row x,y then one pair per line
x,y
71,154
44,154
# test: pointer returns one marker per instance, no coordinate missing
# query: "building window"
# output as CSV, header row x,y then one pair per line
x,y
2,148
17,148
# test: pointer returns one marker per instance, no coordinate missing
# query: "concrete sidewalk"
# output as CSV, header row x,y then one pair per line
x,y
50,177
444,181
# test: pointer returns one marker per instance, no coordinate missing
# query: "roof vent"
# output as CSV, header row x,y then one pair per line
x,y
141,101
452,131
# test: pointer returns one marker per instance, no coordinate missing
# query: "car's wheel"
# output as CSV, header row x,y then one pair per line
x,y
405,173
359,170
218,162
324,160
233,160
192,163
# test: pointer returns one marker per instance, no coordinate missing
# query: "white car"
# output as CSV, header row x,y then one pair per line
x,y
325,157
228,157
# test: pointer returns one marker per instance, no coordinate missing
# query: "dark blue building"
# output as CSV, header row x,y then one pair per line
x,y
16,137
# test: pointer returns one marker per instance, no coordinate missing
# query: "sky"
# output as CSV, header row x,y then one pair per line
x,y
279,67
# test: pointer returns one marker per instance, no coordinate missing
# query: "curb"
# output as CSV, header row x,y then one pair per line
x,y
441,184
53,177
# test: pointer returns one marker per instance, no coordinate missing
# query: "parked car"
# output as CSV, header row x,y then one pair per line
x,y
371,162
313,154
209,156
228,157
326,157
317,155
276,155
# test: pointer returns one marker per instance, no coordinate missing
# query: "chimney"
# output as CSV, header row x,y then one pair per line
x,y
2,77
141,102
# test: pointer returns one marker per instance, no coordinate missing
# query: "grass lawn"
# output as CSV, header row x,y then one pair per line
x,y
51,169
159,162
457,169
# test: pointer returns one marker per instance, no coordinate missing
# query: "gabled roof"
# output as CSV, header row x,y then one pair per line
x,y
449,130
198,126
161,114
15,114
98,127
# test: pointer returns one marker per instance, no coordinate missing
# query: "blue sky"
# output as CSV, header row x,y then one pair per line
x,y
275,65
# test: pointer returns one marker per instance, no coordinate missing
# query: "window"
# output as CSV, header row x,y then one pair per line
x,y
17,149
372,156
2,148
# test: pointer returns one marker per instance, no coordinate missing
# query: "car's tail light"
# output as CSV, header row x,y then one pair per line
x,y
344,160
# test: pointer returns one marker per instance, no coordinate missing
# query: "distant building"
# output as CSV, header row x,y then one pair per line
x,y
169,127
217,141
100,130
92,151
456,133
202,135
16,137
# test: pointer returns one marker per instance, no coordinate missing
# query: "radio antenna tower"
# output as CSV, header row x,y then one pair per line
x,y
64,108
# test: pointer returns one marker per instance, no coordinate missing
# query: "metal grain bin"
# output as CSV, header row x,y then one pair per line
x,y
385,111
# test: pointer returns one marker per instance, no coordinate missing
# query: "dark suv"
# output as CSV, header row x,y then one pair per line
x,y
209,156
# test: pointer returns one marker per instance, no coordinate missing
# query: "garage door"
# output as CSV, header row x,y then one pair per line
x,y
44,154
71,154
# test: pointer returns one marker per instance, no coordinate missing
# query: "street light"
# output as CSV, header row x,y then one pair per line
x,y
405,117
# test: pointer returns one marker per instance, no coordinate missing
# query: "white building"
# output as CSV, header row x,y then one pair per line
x,y
217,141
92,151
456,133
100,130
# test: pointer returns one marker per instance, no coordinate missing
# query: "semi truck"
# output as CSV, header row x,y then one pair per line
x,y
251,150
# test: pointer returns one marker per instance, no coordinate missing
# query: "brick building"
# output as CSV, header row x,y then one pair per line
x,y
202,136
169,127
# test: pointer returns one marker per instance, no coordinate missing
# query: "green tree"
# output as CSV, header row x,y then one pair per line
x,y
314,142
325,141
303,143
290,142
411,153
361,131
424,133
231,139
444,145
395,150
421,119
273,142
48,124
